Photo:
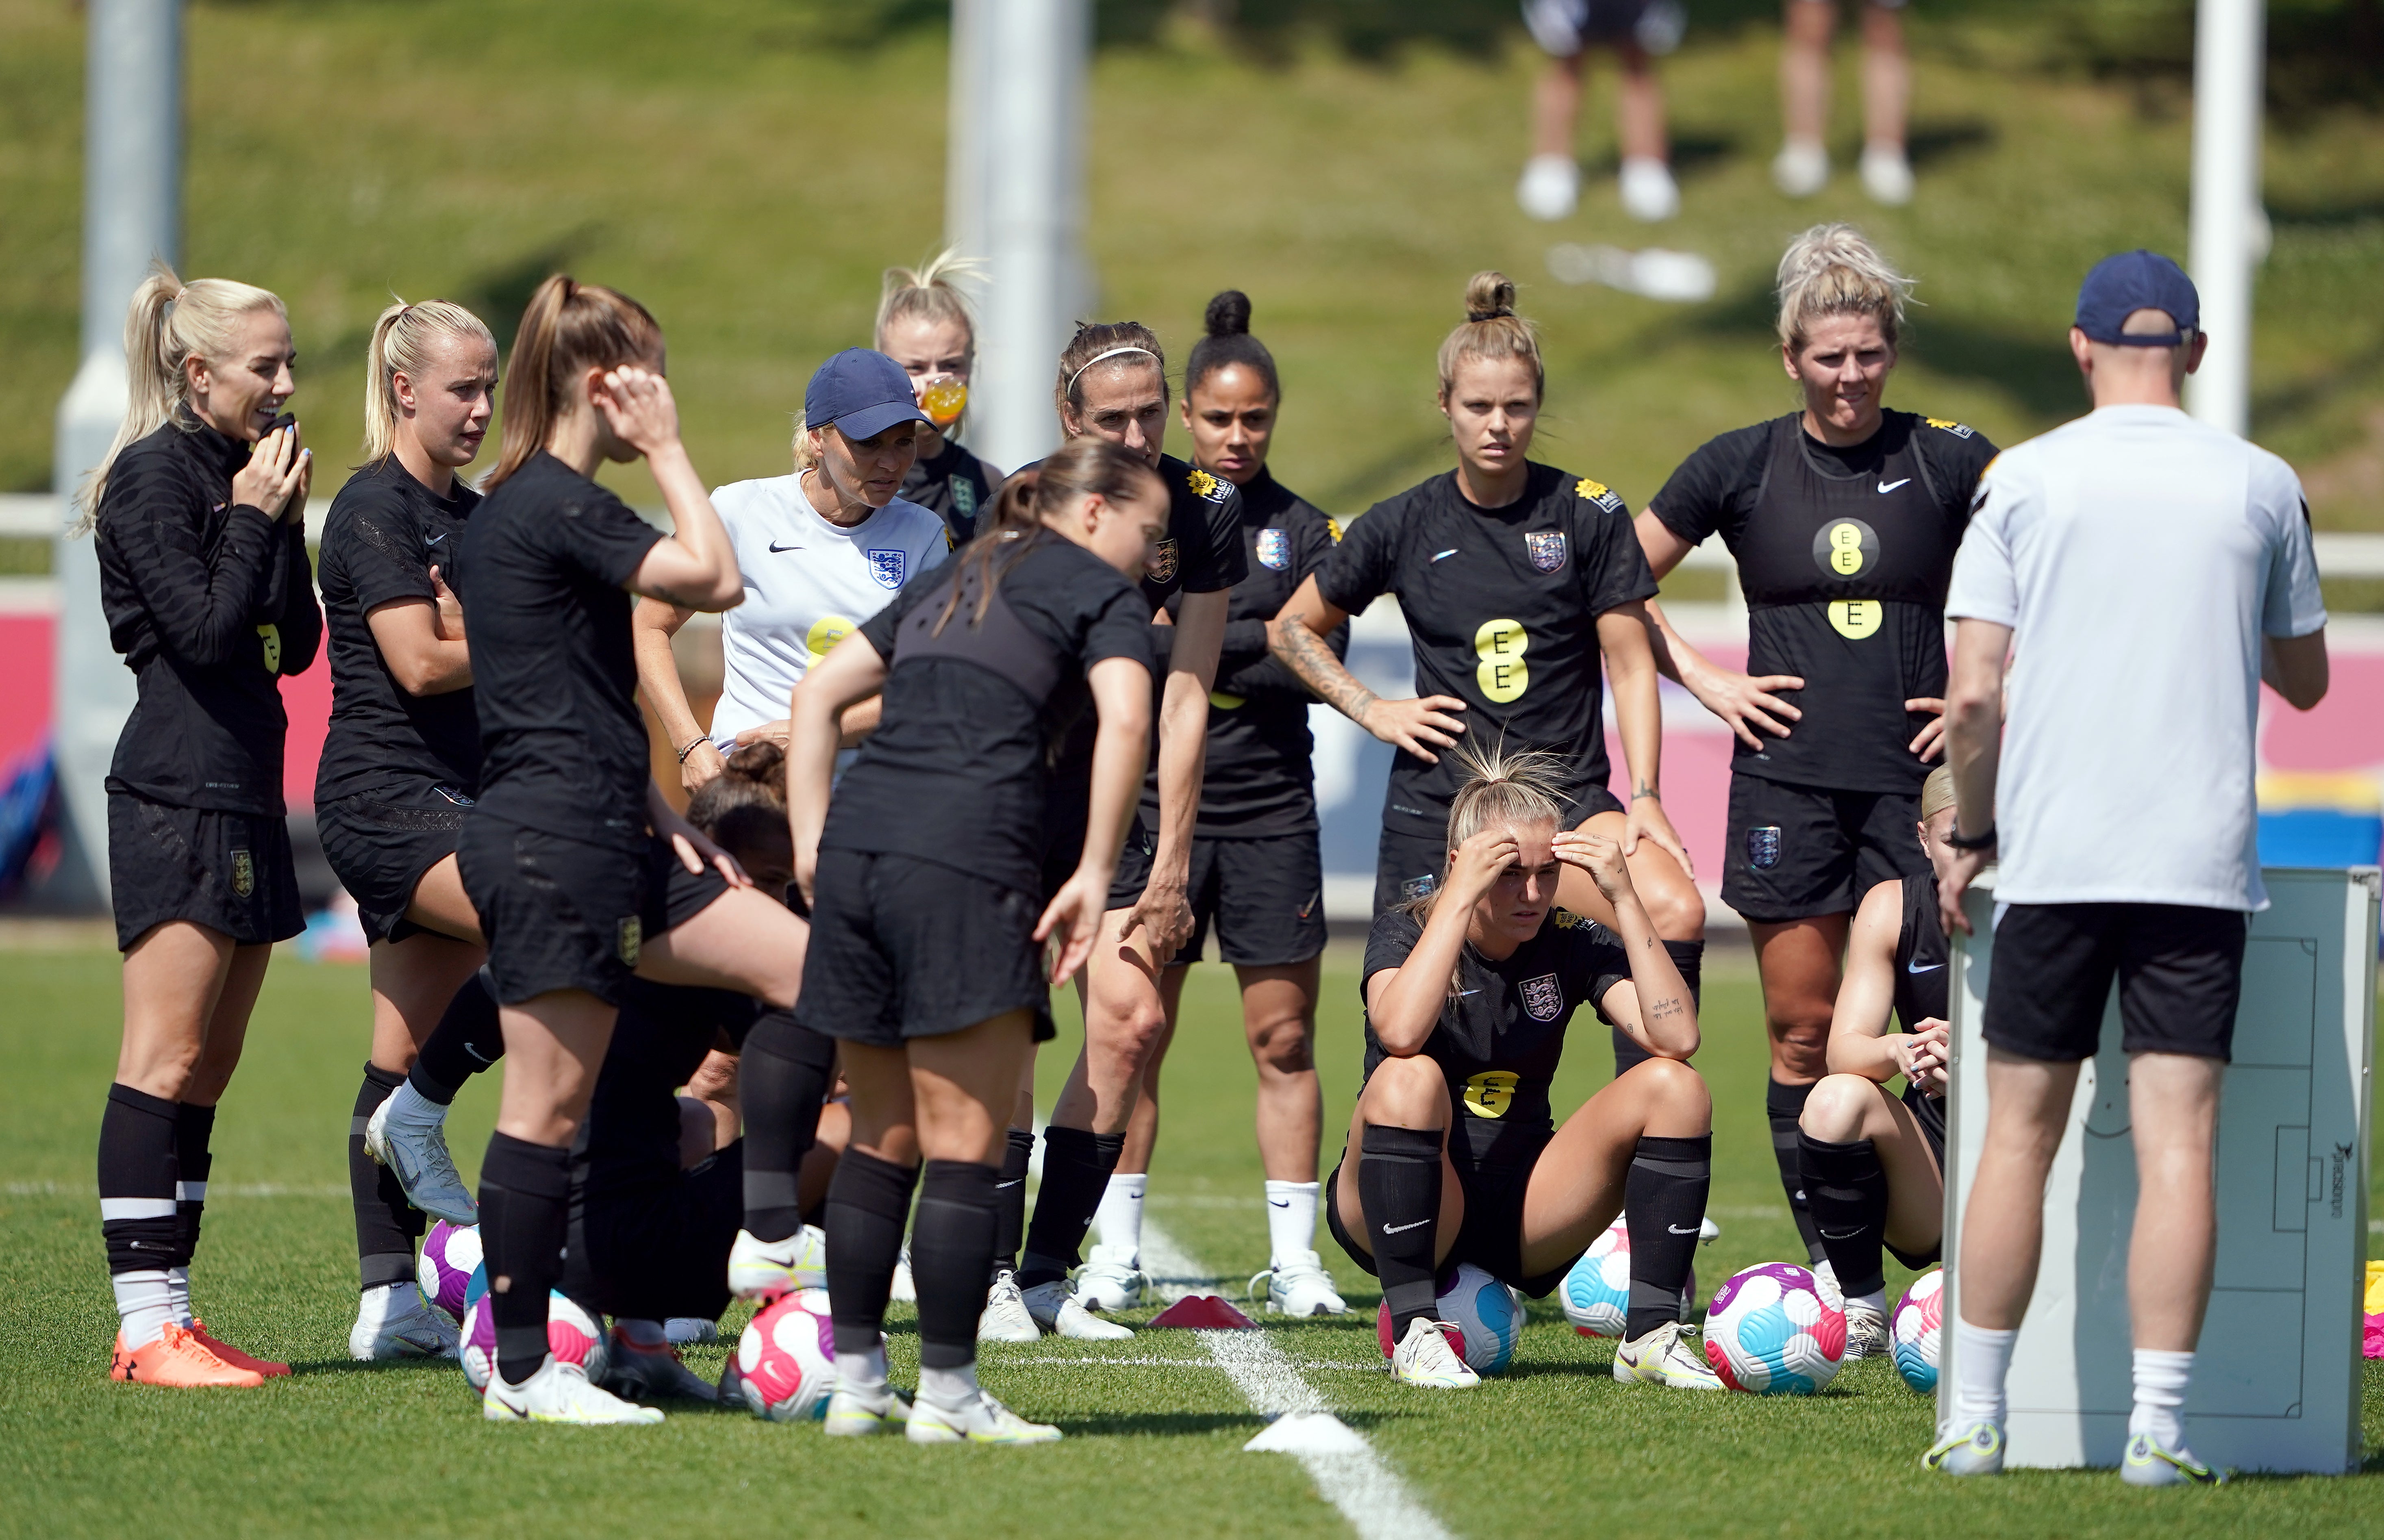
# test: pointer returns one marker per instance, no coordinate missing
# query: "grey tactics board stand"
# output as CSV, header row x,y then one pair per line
x,y
2277,1382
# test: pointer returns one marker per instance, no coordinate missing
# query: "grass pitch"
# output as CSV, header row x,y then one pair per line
x,y
1552,1446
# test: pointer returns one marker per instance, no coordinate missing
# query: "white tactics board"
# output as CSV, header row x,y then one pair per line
x,y
2277,1379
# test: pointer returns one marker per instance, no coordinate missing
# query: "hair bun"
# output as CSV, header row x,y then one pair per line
x,y
1229,314
1488,296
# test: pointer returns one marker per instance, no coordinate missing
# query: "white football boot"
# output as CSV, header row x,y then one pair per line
x,y
766,1269
1111,1279
1975,1449
1005,1318
560,1393
1424,1358
1300,1287
904,1289
1865,1331
651,1373
393,1322
1801,168
982,1420
2148,1464
1663,1357
860,1413
1887,175
403,1134
1056,1310
1649,195
1550,187
1825,1278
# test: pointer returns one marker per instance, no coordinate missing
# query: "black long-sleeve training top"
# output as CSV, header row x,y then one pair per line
x,y
211,602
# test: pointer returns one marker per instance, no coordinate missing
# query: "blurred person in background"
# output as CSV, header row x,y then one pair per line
x,y
1638,30
1802,168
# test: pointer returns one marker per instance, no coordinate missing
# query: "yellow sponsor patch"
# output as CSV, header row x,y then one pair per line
x,y
1333,528
1489,1094
1223,701
630,937
1857,618
244,873
1205,485
1502,673
1592,491
825,632
269,635
1959,430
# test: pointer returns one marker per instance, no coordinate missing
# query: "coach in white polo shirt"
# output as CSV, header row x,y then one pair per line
x,y
2149,571
821,552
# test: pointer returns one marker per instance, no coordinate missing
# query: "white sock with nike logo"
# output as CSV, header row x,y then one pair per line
x,y
1119,1219
1291,1219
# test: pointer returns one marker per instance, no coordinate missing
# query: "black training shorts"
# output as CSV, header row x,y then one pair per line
x,y
657,1249
230,871
1929,1112
566,915
2180,968
379,848
903,947
1795,852
1266,898
1492,1235
1134,864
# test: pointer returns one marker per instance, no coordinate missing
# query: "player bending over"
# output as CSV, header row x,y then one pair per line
x,y
1469,990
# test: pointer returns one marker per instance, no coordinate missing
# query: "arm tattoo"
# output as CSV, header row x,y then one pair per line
x,y
1306,655
1665,1009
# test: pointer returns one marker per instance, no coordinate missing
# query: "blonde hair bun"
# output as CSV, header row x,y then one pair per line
x,y
1834,271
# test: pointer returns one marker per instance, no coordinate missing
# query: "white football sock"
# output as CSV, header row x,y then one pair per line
x,y
861,1371
1119,1217
411,1107
1876,1299
643,1334
178,1291
145,1299
2161,1379
1291,1218
949,1389
1981,1358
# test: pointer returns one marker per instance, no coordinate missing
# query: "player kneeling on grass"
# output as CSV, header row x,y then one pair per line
x,y
1873,1163
1469,991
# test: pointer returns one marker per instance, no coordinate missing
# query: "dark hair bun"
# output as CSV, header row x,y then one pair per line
x,y
1229,314
764,762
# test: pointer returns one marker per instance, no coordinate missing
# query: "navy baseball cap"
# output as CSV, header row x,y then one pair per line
x,y
2121,285
864,393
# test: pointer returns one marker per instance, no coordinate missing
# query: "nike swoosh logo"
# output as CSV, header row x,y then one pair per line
x,y
432,539
1272,1203
1885,487
1830,1235
778,550
1463,993
476,1053
1917,968
999,1185
1395,1229
1443,555
1678,1231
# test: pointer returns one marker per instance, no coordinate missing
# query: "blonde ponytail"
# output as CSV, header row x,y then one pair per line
x,y
928,293
401,343
1833,270
168,324
1493,331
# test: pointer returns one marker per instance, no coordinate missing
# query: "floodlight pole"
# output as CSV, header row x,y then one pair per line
x,y
2228,49
1014,196
132,211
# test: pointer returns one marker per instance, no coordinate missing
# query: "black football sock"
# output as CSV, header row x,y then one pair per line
x,y
1076,1166
782,1078
867,1201
1398,1182
387,1225
138,1173
1664,1202
1689,957
194,1128
1847,1187
1010,1199
524,1215
1784,1105
950,1247
467,1040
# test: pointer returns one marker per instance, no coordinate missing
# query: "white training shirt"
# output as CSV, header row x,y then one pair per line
x,y
807,583
2139,557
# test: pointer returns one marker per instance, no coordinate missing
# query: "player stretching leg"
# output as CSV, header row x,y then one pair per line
x,y
198,513
1469,991
1873,1163
927,963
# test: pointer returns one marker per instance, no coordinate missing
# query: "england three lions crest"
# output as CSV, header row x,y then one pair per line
x,y
1163,565
888,566
1543,998
1547,549
1275,549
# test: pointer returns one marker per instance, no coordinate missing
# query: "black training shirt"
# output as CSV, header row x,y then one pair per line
x,y
385,532
563,745
1501,606
959,768
630,1136
1844,555
1921,957
1257,781
1498,1042
210,603
953,482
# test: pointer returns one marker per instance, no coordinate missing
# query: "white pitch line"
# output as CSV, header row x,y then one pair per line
x,y
1348,1472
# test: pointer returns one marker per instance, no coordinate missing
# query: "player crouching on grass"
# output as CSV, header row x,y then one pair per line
x,y
1469,990
1873,1163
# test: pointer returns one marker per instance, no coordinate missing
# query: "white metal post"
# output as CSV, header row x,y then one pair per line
x,y
2229,47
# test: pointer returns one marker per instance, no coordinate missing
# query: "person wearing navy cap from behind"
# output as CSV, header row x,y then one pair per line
x,y
2120,800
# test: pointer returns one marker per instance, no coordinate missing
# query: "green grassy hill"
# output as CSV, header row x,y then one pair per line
x,y
747,166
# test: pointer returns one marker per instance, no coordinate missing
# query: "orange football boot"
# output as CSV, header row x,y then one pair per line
x,y
179,1358
232,1355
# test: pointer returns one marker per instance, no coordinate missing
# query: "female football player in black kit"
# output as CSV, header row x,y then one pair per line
x,y
1468,989
1112,386
1514,577
400,766
1873,1163
927,877
580,871
198,513
1257,874
1843,518
924,325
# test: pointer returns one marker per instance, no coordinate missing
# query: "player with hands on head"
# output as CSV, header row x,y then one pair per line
x,y
582,874
928,876
1872,1162
198,515
1469,990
